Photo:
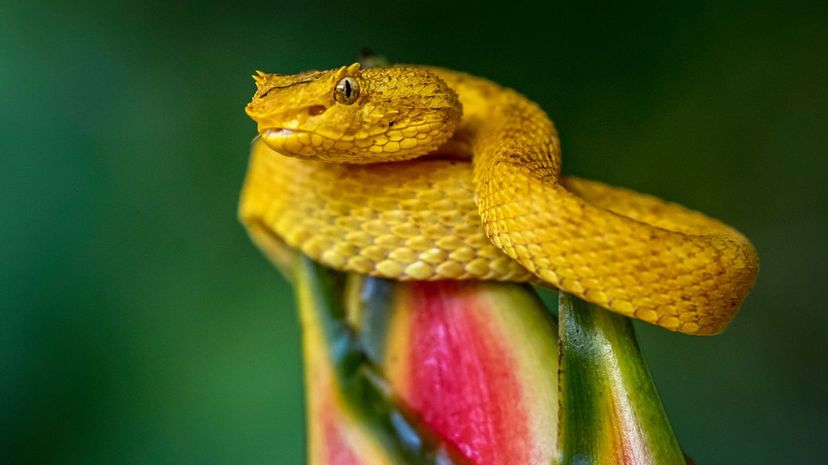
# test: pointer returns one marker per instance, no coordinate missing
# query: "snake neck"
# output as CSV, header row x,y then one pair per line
x,y
505,131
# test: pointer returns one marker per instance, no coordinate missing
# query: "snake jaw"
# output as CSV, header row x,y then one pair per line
x,y
292,142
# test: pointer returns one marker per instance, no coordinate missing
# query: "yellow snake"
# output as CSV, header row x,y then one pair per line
x,y
420,173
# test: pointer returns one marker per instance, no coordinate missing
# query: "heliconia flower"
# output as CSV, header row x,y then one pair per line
x,y
352,416
475,361
466,372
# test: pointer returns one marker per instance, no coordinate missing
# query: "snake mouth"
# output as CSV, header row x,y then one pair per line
x,y
278,133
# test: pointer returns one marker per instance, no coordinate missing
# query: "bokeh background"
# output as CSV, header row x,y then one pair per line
x,y
140,326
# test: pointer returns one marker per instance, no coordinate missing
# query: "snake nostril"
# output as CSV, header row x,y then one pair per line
x,y
316,110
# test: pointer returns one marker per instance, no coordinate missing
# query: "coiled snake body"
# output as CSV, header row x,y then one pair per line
x,y
417,173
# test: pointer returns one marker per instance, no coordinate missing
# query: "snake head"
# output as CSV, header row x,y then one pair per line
x,y
353,115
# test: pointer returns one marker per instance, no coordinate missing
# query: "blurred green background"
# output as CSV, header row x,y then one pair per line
x,y
140,326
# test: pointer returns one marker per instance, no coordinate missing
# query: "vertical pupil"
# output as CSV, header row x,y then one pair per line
x,y
348,88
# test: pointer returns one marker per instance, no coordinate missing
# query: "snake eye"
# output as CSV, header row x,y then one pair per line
x,y
346,91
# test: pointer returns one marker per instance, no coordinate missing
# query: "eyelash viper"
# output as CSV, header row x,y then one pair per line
x,y
421,173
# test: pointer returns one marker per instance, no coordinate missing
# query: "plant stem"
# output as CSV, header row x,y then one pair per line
x,y
610,410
